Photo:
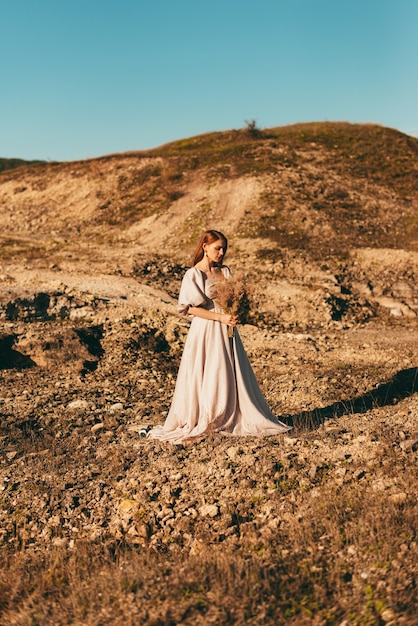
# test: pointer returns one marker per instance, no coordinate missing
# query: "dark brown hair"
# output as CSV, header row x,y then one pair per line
x,y
209,236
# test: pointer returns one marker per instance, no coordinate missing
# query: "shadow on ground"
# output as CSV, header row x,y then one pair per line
x,y
400,386
12,359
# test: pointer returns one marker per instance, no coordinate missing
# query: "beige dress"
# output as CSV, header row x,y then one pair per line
x,y
216,389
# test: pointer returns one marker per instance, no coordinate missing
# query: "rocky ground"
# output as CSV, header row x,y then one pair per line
x,y
99,525
86,361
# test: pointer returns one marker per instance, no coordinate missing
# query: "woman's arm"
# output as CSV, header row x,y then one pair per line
x,y
224,318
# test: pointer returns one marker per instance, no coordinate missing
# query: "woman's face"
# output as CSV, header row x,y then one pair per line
x,y
215,251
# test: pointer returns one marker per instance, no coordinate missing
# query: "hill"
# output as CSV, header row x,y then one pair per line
x,y
9,164
294,187
330,204
99,526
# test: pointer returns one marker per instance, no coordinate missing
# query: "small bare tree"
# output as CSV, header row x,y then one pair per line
x,y
253,129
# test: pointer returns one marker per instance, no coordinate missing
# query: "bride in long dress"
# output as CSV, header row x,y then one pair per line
x,y
216,389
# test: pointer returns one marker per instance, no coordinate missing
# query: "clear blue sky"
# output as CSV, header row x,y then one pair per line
x,y
84,78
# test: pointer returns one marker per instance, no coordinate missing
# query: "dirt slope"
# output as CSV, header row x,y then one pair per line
x,y
98,526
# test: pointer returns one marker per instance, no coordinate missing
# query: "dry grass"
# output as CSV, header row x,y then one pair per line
x,y
355,182
352,555
339,549
10,164
322,532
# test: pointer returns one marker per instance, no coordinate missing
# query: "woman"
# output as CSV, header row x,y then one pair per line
x,y
216,390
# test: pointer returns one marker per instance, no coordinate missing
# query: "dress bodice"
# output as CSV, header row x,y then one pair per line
x,y
210,288
198,290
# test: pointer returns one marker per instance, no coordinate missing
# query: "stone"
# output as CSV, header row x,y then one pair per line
x,y
312,471
232,452
116,408
290,441
388,615
96,427
409,445
398,498
143,529
196,547
77,405
126,506
209,510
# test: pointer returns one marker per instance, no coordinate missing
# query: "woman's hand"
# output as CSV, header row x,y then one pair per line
x,y
229,320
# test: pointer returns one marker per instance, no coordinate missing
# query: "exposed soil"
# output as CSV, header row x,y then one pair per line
x,y
90,344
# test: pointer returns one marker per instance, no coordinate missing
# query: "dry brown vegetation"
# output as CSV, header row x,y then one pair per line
x,y
99,526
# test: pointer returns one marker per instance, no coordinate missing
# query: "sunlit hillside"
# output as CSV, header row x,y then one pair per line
x,y
317,527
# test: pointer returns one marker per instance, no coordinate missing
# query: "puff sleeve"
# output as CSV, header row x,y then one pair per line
x,y
192,291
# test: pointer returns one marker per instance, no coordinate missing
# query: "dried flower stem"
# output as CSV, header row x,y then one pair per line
x,y
233,296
